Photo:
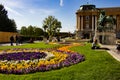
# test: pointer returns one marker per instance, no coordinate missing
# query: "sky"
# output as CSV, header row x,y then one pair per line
x,y
33,12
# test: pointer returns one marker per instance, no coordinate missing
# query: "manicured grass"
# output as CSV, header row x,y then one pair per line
x,y
99,65
31,45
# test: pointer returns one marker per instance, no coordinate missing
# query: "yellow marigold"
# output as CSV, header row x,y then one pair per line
x,y
4,67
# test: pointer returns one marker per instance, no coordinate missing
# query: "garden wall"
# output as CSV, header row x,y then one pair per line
x,y
5,36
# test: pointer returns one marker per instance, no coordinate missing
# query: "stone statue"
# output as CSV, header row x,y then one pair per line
x,y
106,28
105,23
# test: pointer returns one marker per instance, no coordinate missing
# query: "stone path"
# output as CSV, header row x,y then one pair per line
x,y
8,44
113,52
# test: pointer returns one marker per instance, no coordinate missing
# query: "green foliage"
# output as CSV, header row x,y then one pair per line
x,y
6,24
23,30
31,31
51,25
38,31
99,65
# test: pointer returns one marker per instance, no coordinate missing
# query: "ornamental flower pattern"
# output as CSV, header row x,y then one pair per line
x,y
23,56
41,61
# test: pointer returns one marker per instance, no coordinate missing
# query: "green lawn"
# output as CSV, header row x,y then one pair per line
x,y
32,45
99,65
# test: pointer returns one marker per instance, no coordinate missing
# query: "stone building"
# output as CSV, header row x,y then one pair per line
x,y
87,20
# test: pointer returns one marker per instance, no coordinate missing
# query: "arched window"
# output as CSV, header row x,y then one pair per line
x,y
87,18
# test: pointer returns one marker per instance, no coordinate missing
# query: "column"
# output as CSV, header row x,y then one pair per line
x,y
76,22
96,22
92,23
95,36
81,23
118,23
115,26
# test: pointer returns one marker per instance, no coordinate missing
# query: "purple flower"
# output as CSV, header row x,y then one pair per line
x,y
71,59
23,56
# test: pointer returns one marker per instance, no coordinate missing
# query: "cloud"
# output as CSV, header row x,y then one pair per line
x,y
12,6
41,11
12,3
26,12
13,11
61,3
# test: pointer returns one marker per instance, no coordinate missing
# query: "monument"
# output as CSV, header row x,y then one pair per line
x,y
106,29
87,20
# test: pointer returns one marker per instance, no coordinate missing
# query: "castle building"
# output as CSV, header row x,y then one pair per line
x,y
87,20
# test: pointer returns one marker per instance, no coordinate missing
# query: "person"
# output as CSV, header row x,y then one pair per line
x,y
95,44
11,40
58,38
17,39
31,40
118,45
20,40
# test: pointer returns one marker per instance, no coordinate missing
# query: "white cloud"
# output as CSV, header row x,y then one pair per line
x,y
32,11
42,11
61,3
13,11
12,3
11,6
25,14
46,11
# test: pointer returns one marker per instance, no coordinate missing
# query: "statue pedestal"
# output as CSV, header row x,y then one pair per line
x,y
107,38
78,35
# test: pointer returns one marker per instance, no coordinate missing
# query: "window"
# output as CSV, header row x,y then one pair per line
x,y
87,17
87,26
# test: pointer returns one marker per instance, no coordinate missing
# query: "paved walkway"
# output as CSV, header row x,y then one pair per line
x,y
8,44
113,52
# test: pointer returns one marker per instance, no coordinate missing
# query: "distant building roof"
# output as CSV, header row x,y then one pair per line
x,y
87,7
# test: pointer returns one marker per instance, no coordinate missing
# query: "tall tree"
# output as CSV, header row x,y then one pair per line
x,y
6,24
23,30
51,25
38,31
30,30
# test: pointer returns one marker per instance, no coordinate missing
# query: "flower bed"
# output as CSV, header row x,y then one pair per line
x,y
23,56
22,61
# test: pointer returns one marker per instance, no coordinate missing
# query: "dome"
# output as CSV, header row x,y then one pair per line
x,y
87,7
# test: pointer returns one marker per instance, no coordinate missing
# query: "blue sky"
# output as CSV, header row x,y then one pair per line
x,y
33,12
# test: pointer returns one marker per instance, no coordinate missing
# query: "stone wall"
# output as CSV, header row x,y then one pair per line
x,y
5,36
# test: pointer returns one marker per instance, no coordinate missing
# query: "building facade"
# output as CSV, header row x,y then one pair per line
x,y
87,20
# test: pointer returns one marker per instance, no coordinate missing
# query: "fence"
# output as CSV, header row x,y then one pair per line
x,y
5,36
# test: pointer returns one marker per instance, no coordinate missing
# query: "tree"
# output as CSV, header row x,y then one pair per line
x,y
38,31
6,24
30,30
51,25
23,30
